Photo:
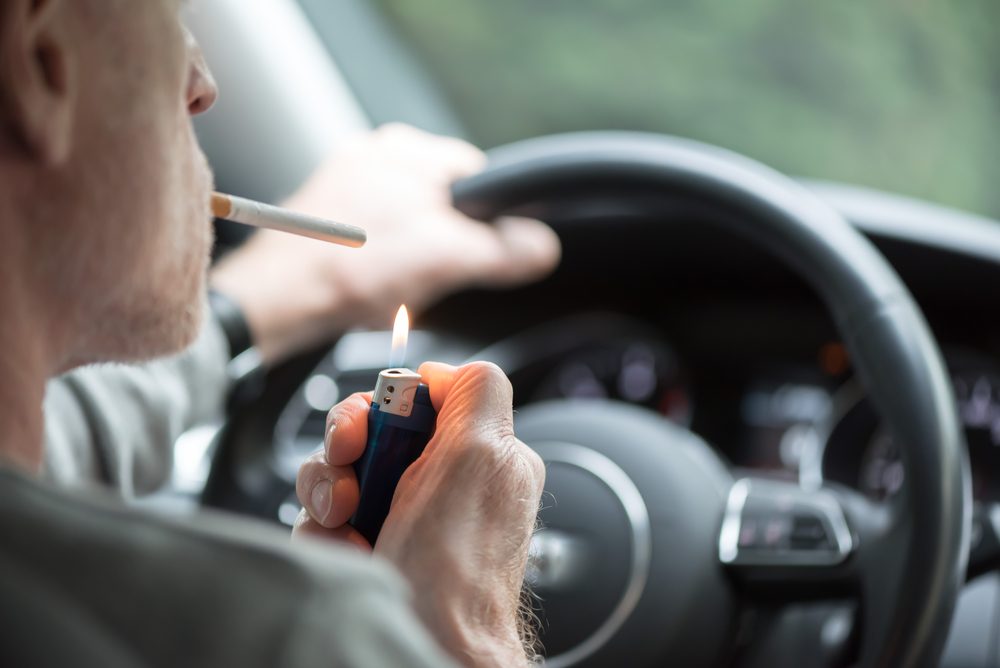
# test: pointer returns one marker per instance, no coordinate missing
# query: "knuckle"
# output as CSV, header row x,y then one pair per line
x,y
530,467
313,467
462,148
487,372
356,402
534,464
508,464
485,453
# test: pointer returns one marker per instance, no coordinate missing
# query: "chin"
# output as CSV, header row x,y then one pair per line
x,y
160,336
166,316
147,324
146,334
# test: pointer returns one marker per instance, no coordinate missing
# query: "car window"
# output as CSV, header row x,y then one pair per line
x,y
902,95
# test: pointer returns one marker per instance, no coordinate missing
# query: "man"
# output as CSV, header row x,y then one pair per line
x,y
117,424
104,238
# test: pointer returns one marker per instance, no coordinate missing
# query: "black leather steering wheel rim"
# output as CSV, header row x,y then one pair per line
x,y
913,591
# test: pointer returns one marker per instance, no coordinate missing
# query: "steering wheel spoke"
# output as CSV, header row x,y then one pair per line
x,y
984,555
783,541
787,545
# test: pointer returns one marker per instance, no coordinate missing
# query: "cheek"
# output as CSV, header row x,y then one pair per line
x,y
196,185
133,125
137,148
163,233
197,223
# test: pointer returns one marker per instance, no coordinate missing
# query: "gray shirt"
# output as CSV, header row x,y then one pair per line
x,y
87,580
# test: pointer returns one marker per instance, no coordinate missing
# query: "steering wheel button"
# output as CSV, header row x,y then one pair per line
x,y
774,524
809,533
775,533
748,534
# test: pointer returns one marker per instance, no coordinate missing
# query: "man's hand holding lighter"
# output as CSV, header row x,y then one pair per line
x,y
462,515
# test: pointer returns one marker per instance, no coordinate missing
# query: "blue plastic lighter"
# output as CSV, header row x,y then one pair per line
x,y
400,422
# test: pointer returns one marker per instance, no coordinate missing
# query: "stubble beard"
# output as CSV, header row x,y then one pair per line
x,y
160,319
142,286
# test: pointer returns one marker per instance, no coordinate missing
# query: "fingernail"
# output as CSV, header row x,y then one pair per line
x,y
329,432
322,493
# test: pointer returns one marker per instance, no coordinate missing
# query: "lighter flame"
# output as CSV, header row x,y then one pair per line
x,y
400,335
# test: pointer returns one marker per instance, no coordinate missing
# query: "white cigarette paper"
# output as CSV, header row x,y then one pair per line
x,y
248,212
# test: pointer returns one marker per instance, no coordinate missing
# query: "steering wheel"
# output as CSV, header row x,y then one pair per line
x,y
650,546
650,549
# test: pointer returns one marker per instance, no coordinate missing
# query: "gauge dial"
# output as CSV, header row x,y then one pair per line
x,y
881,473
978,396
636,371
861,452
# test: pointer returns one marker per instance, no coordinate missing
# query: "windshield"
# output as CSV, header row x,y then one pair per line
x,y
899,95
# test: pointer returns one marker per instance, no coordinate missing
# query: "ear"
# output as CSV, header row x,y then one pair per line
x,y
36,100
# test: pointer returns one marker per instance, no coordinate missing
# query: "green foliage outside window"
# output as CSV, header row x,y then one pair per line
x,y
902,95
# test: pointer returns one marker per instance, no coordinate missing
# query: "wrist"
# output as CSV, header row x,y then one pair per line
x,y
484,637
486,646
232,320
283,315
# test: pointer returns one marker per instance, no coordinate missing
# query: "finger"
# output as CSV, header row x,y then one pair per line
x,y
531,250
307,528
439,378
507,252
347,429
477,396
445,158
459,158
329,493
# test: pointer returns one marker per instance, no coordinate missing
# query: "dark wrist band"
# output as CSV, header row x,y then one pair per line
x,y
233,322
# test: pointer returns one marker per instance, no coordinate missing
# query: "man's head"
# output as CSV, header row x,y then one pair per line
x,y
104,224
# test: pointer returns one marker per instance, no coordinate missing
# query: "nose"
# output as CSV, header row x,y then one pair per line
x,y
201,90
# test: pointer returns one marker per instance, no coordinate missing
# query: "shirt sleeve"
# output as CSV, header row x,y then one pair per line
x,y
117,424
203,590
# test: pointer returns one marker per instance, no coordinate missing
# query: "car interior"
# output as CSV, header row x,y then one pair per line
x,y
765,378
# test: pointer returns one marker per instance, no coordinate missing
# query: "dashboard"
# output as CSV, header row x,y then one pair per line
x,y
708,331
701,327
795,419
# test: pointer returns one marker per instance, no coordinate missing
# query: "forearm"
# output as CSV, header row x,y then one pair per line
x,y
477,642
484,619
285,308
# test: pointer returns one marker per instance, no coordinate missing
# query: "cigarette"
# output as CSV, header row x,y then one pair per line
x,y
248,212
